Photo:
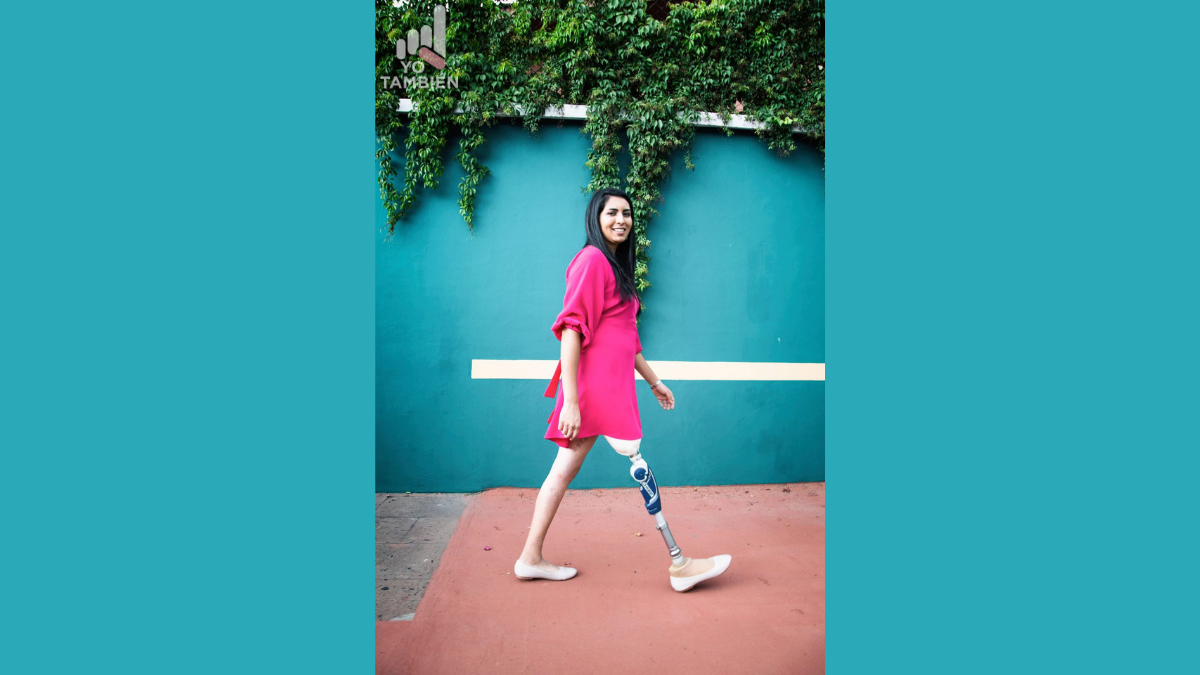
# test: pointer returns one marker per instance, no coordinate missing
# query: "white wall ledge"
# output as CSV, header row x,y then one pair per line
x,y
579,112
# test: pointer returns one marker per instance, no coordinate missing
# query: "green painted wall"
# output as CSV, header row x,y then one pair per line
x,y
738,268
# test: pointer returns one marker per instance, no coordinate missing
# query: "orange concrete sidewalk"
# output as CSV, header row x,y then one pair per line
x,y
619,614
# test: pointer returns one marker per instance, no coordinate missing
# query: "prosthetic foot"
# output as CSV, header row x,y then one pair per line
x,y
692,572
685,572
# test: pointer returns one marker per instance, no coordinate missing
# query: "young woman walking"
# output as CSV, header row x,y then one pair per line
x,y
598,397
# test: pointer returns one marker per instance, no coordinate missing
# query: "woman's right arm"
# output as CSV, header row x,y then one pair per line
x,y
569,418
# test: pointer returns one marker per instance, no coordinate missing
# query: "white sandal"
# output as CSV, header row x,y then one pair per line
x,y
524,571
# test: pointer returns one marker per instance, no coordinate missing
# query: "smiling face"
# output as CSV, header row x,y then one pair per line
x,y
616,222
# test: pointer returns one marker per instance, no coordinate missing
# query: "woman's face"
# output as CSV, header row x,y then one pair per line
x,y
616,221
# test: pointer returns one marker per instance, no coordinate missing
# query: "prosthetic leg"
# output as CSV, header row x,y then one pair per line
x,y
685,572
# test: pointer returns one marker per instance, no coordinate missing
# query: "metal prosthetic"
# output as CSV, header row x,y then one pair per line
x,y
645,477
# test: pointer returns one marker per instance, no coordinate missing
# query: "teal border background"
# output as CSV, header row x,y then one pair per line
x,y
188,325
1010,248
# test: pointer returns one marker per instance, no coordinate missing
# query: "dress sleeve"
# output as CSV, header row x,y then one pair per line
x,y
584,301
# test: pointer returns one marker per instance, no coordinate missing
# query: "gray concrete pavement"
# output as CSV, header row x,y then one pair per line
x,y
411,533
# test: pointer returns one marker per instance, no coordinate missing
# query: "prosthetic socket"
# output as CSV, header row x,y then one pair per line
x,y
642,474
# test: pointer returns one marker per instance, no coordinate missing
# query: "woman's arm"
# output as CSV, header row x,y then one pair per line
x,y
643,369
571,346
569,419
661,391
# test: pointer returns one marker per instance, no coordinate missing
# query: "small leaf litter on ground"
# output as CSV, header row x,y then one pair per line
x,y
487,548
637,534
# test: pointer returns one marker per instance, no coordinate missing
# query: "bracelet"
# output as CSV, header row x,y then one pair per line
x,y
655,385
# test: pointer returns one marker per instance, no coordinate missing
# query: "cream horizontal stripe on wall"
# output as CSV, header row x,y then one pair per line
x,y
485,369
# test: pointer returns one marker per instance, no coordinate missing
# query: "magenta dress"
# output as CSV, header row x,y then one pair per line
x,y
592,307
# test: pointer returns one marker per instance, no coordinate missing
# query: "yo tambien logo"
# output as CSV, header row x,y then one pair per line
x,y
429,47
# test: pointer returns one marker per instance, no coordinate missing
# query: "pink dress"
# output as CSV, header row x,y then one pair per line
x,y
592,307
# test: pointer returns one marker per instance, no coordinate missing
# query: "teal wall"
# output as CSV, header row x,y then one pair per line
x,y
738,268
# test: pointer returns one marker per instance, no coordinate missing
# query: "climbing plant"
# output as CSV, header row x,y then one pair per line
x,y
635,73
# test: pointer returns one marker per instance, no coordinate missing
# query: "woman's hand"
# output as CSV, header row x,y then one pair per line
x,y
665,398
569,420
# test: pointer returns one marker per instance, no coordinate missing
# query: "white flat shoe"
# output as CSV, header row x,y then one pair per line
x,y
524,571
692,572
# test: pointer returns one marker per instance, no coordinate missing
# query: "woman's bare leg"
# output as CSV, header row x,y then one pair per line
x,y
564,470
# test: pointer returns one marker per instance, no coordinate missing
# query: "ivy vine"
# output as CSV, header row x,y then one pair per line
x,y
649,78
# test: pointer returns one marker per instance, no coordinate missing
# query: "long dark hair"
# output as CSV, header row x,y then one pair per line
x,y
623,260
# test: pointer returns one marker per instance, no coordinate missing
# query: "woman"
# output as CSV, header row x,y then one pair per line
x,y
598,396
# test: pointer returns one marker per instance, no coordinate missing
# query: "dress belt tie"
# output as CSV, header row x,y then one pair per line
x,y
550,391
553,388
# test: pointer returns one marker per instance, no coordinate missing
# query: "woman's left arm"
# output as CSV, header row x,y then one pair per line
x,y
661,391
